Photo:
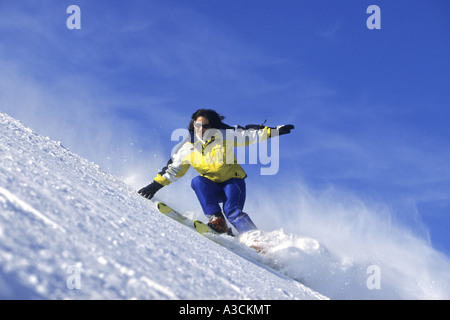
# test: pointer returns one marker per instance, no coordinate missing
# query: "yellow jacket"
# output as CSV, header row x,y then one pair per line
x,y
213,158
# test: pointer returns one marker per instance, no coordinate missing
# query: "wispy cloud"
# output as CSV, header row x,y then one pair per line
x,y
122,76
332,31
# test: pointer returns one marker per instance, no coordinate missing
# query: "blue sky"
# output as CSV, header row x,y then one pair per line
x,y
371,107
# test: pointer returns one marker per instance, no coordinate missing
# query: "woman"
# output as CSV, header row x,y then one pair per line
x,y
209,150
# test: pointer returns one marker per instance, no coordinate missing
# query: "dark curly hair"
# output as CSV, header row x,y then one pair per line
x,y
215,119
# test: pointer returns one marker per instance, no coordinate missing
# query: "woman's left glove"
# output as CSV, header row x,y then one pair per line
x,y
285,128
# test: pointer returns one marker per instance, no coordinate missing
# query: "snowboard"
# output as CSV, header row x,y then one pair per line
x,y
202,228
168,211
198,225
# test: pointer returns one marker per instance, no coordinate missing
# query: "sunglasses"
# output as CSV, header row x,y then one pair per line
x,y
198,125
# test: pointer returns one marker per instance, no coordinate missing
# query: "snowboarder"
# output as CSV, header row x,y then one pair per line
x,y
209,149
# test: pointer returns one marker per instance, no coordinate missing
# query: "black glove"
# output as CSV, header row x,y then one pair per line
x,y
284,129
150,190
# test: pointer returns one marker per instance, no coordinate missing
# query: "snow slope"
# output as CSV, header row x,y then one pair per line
x,y
70,231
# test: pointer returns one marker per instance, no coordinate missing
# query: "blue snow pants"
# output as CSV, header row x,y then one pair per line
x,y
231,193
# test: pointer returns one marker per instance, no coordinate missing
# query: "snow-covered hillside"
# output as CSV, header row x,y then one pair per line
x,y
69,230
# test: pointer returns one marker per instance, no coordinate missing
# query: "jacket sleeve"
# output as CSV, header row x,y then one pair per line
x,y
175,168
244,136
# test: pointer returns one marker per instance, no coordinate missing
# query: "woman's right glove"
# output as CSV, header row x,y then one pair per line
x,y
150,190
